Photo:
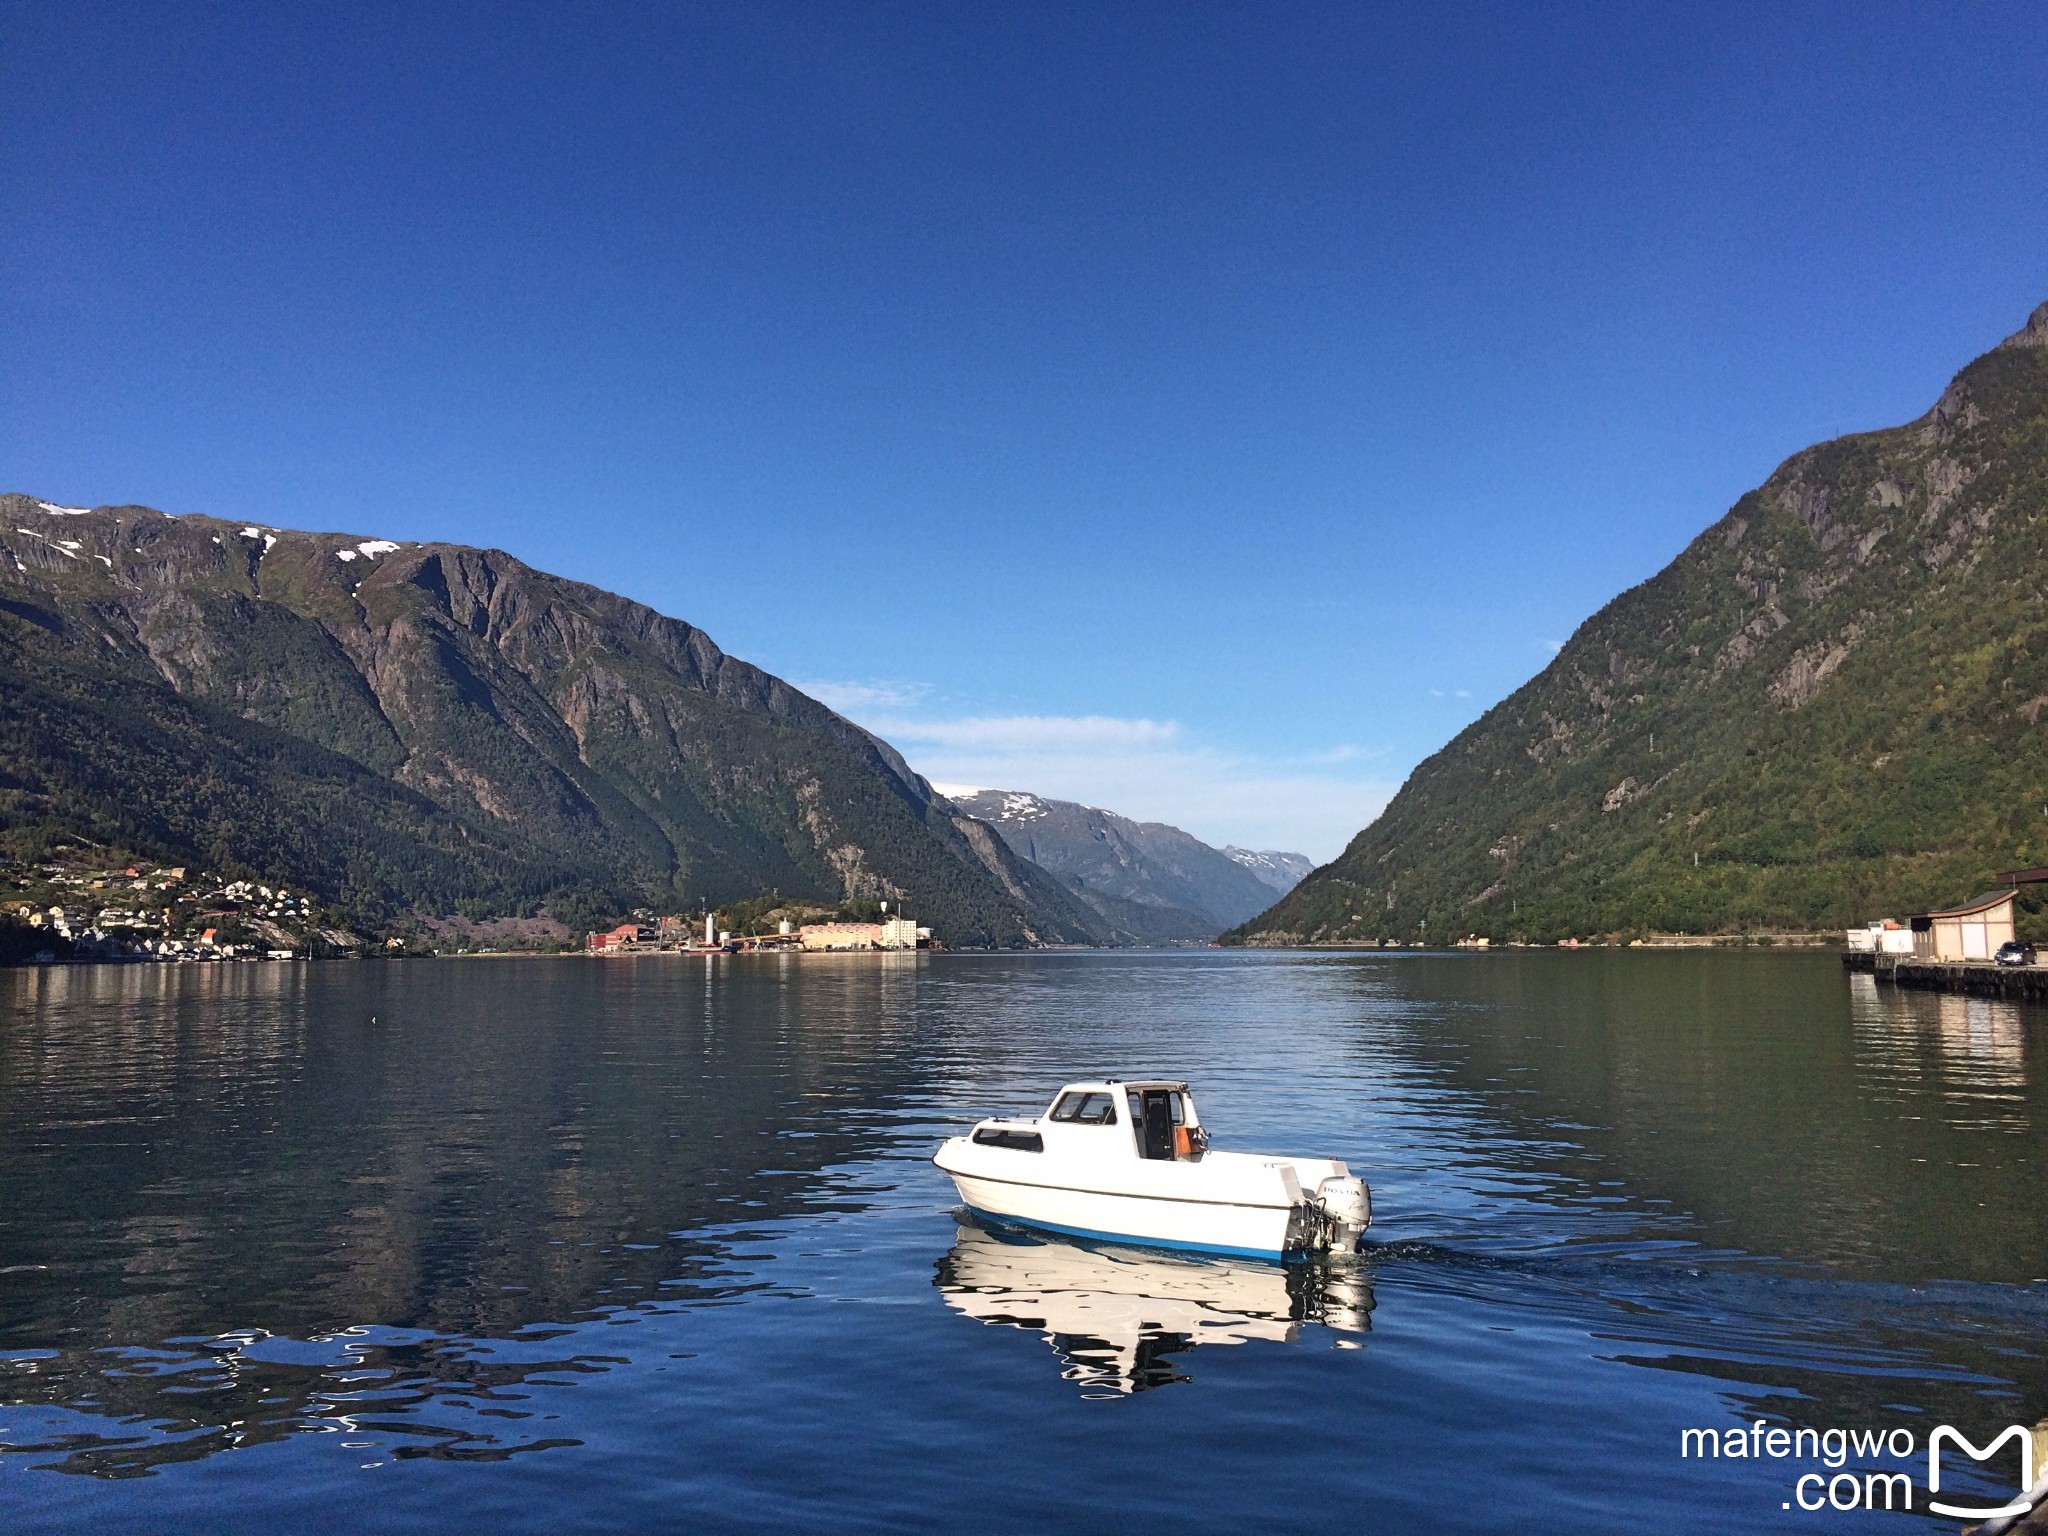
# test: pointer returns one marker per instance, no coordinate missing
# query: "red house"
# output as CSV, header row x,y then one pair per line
x,y
625,933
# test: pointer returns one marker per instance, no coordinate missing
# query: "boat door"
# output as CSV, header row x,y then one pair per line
x,y
1153,1115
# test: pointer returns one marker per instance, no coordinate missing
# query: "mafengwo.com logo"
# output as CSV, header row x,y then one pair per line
x,y
1831,1482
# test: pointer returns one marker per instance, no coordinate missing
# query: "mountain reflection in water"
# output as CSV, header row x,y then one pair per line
x,y
239,1202
1116,1317
650,1244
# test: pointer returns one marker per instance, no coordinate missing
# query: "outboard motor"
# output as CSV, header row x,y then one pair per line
x,y
1348,1204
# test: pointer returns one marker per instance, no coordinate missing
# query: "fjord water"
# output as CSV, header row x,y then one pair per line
x,y
655,1244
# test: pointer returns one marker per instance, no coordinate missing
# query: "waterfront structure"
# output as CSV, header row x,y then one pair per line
x,y
1972,931
837,936
898,933
1883,938
621,937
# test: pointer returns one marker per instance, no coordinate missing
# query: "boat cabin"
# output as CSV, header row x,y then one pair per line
x,y
1158,1117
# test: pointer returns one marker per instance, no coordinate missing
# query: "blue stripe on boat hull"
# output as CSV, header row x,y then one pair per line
x,y
1125,1237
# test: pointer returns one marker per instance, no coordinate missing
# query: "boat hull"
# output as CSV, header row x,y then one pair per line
x,y
1162,1221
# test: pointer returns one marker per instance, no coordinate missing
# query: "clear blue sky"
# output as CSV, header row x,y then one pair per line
x,y
1202,411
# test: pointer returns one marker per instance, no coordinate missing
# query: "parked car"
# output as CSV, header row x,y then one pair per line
x,y
2015,953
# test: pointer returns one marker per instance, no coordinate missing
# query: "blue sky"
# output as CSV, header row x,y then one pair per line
x,y
1200,411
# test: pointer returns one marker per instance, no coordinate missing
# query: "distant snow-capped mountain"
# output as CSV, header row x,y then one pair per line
x,y
1145,876
1282,871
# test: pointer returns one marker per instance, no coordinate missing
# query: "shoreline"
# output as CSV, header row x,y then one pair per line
x,y
1662,945
1659,941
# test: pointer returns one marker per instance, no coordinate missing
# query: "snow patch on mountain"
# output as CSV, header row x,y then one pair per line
x,y
1147,877
1282,871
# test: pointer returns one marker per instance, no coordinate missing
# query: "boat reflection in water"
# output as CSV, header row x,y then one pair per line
x,y
1117,1316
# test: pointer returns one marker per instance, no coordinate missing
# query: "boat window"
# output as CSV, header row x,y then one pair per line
x,y
1016,1141
1085,1109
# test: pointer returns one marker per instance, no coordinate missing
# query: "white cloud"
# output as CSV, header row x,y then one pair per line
x,y
1043,733
851,697
1552,646
1150,770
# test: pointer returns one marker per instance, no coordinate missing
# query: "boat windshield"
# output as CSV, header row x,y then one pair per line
x,y
1085,1109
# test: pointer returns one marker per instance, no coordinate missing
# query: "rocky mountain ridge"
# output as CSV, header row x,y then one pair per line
x,y
1145,878
1282,871
437,728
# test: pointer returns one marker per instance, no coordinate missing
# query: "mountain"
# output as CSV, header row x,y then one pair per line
x,y
431,728
1146,880
1829,707
1282,871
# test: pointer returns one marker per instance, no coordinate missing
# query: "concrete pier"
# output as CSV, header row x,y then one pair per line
x,y
1979,978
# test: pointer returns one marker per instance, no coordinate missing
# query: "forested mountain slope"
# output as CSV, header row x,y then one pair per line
x,y
437,728
1829,707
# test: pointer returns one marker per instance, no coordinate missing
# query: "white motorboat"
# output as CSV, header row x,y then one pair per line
x,y
1117,1317
1131,1162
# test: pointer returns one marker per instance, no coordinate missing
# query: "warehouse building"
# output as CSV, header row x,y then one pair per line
x,y
1972,931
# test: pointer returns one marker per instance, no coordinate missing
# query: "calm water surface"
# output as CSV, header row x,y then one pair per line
x,y
654,1244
